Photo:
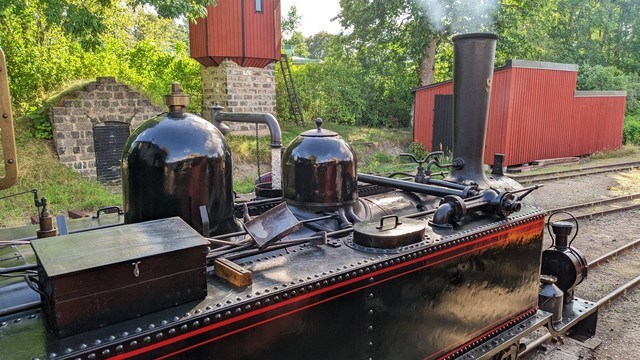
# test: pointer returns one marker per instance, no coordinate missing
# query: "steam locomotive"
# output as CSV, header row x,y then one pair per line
x,y
325,263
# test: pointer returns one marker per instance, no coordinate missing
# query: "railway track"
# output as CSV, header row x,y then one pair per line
x,y
601,207
573,173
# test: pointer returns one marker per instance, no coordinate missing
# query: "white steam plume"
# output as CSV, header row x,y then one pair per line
x,y
462,16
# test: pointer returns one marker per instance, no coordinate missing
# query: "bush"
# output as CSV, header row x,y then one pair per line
x,y
332,91
41,123
631,132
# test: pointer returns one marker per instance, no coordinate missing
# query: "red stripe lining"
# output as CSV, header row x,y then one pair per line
x,y
501,323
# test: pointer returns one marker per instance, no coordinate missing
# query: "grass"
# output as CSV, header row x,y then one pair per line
x,y
625,151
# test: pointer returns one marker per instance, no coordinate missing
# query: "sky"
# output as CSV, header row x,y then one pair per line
x,y
316,15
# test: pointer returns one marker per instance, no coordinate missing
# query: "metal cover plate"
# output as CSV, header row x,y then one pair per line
x,y
87,250
272,225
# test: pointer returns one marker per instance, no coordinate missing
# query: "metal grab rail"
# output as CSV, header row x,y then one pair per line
x,y
9,157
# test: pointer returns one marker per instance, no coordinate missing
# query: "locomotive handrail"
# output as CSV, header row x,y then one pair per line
x,y
9,157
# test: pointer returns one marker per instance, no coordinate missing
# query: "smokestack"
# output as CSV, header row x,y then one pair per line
x,y
472,76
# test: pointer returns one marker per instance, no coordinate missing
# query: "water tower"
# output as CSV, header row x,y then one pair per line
x,y
238,44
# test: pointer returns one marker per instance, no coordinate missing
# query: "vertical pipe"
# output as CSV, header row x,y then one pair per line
x,y
472,77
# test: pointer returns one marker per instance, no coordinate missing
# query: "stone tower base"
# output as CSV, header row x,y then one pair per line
x,y
239,89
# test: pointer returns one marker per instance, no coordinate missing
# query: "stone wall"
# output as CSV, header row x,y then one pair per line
x,y
239,89
97,104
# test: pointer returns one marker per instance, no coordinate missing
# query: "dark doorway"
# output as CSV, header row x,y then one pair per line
x,y
109,139
443,124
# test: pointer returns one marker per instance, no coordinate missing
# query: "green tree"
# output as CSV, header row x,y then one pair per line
x,y
391,31
133,44
318,44
291,37
290,22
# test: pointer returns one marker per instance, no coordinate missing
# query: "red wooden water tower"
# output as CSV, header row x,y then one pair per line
x,y
237,44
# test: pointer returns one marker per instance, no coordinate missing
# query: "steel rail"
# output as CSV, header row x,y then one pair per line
x,y
619,292
597,262
597,205
573,173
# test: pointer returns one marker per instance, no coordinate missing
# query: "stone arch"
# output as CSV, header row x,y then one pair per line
x,y
95,105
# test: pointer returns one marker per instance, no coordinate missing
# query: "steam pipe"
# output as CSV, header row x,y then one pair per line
x,y
20,268
410,186
261,118
453,208
344,221
352,215
446,214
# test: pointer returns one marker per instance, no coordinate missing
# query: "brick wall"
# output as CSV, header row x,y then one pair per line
x,y
239,89
97,103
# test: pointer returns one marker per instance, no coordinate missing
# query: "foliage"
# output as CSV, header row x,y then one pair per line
x,y
318,44
631,132
297,44
418,150
382,33
600,77
41,123
135,47
332,91
291,37
291,21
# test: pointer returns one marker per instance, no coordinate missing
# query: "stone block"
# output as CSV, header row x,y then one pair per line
x,y
67,158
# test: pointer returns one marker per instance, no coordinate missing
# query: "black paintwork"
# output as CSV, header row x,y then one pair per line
x,y
472,75
319,171
172,165
333,302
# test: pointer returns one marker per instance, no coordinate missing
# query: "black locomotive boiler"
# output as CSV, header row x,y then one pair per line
x,y
336,265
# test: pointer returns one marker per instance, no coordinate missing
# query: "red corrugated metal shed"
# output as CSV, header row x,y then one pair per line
x,y
536,113
244,31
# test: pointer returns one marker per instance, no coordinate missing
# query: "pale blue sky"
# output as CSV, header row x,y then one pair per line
x,y
316,15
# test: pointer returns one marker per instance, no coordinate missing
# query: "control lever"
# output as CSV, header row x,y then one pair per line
x,y
423,175
508,203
